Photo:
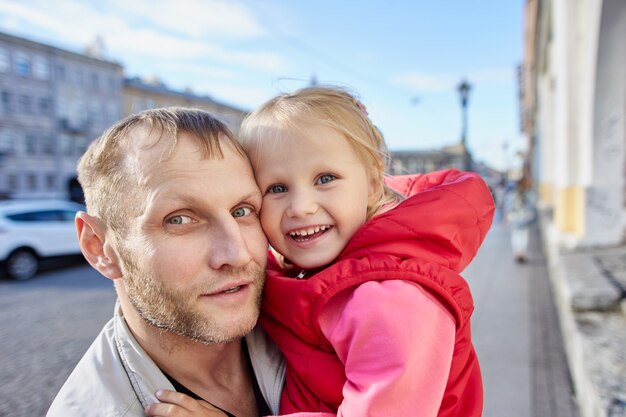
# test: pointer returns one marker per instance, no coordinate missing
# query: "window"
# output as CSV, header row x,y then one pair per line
x,y
78,77
31,181
25,104
95,81
5,63
43,216
66,145
22,64
63,107
61,73
7,144
40,68
81,145
6,101
45,106
12,182
31,144
47,145
96,113
51,181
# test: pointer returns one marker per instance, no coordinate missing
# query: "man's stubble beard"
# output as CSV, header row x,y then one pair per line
x,y
172,310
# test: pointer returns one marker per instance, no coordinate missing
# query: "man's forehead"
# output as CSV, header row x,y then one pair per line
x,y
151,153
149,148
144,143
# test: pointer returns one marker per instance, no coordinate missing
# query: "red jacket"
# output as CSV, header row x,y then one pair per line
x,y
427,239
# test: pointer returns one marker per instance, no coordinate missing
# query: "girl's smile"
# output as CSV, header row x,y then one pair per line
x,y
309,233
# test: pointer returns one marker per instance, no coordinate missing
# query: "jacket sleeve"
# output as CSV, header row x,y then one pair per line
x,y
397,351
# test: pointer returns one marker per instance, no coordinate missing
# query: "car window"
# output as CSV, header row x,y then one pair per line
x,y
68,215
43,216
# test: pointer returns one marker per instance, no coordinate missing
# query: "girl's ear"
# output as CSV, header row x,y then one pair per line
x,y
98,252
376,192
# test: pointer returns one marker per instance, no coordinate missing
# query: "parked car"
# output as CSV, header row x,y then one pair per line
x,y
33,230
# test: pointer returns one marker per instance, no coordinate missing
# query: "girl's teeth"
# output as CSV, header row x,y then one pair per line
x,y
310,231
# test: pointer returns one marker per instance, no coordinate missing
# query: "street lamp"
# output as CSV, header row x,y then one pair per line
x,y
464,89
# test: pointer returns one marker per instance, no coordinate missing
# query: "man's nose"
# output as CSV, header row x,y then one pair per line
x,y
302,204
229,246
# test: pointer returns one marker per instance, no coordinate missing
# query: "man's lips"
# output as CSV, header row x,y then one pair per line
x,y
228,288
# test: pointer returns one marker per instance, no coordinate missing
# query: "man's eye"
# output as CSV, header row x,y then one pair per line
x,y
179,219
276,188
242,212
326,178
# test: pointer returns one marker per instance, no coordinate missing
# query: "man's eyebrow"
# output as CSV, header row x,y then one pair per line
x,y
193,199
256,194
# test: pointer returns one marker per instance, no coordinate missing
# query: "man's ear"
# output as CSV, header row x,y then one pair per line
x,y
95,248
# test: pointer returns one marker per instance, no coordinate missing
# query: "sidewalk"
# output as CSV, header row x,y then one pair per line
x,y
589,292
516,331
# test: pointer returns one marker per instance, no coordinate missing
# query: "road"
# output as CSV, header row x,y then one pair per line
x,y
48,322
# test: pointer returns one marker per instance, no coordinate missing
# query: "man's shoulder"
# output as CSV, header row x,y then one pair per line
x,y
99,385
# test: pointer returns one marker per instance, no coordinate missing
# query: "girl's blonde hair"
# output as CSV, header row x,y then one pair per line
x,y
331,107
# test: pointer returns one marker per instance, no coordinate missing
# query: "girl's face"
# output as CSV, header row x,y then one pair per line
x,y
315,194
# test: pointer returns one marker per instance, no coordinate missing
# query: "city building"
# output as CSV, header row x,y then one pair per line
x,y
420,161
572,100
53,103
142,94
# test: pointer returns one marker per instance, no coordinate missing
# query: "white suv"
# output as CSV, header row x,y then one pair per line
x,y
31,230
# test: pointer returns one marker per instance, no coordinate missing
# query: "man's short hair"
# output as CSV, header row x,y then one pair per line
x,y
110,192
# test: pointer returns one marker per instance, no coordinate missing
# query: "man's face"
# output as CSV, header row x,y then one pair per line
x,y
194,260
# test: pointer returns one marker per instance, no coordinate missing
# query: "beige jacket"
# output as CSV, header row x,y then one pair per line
x,y
116,377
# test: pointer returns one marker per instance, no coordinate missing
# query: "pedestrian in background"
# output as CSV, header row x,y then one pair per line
x,y
520,215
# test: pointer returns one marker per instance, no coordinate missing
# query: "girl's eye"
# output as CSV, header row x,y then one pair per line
x,y
276,188
179,219
326,178
241,212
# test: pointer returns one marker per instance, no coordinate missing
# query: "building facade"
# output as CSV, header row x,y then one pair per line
x,y
53,103
141,94
573,113
420,161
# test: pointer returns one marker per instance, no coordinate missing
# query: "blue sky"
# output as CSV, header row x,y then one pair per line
x,y
403,58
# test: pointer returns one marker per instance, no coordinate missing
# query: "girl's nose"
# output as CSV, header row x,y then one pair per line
x,y
302,204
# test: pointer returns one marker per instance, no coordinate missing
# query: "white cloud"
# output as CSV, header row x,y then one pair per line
x,y
198,70
195,17
27,15
127,30
422,82
157,45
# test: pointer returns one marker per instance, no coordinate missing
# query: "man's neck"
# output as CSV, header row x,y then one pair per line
x,y
217,373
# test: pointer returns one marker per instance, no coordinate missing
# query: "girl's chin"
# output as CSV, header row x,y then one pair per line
x,y
310,264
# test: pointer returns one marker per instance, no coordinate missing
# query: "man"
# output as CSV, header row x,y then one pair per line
x,y
173,221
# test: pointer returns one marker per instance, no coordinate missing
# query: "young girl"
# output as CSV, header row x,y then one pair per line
x,y
364,297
